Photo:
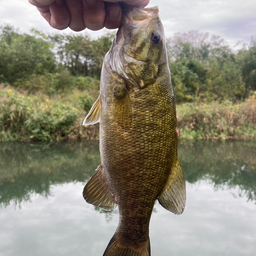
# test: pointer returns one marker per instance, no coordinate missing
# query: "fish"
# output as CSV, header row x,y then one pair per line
x,y
138,133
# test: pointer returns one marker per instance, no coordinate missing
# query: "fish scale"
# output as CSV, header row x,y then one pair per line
x,y
138,137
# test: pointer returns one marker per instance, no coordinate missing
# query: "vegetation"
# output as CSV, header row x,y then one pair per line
x,y
218,120
49,82
43,165
205,69
39,118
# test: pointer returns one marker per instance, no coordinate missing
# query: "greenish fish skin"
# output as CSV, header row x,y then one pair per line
x,y
138,133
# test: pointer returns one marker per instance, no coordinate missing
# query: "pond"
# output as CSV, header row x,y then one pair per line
x,y
42,211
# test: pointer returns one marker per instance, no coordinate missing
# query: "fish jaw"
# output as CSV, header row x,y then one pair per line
x,y
135,55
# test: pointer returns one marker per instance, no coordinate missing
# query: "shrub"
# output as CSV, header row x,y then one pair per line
x,y
87,83
218,121
24,118
49,84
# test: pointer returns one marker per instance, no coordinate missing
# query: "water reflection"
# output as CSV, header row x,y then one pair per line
x,y
32,168
28,168
225,165
43,212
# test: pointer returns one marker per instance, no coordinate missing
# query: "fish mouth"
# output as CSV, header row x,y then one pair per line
x,y
119,59
131,16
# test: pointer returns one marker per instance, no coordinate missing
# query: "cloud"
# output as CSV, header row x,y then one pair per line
x,y
233,20
18,13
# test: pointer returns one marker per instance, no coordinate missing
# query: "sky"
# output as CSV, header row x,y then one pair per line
x,y
233,20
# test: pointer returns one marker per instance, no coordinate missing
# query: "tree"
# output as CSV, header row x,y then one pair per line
x,y
99,49
80,54
247,60
204,67
22,55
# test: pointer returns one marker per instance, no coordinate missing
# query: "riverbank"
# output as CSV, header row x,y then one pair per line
x,y
222,121
40,118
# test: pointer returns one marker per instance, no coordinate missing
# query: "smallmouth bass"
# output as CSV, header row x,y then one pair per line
x,y
138,137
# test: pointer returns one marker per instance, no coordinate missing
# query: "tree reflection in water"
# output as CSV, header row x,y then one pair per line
x,y
224,164
32,168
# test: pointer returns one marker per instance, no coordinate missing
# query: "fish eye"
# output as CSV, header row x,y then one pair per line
x,y
155,37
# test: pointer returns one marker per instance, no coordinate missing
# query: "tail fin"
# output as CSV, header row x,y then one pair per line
x,y
116,248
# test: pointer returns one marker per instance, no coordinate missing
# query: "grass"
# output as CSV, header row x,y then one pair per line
x,y
218,120
42,118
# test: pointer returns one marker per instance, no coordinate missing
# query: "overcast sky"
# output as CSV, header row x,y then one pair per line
x,y
233,20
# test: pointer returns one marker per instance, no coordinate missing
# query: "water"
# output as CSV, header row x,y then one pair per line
x,y
42,211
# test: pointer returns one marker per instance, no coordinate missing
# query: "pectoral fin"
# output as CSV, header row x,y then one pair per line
x,y
173,196
97,192
122,106
94,115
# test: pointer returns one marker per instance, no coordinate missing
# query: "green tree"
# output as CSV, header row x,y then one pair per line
x,y
81,55
247,58
22,55
99,49
204,67
78,54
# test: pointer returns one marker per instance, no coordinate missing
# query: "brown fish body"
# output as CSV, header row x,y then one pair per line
x,y
138,138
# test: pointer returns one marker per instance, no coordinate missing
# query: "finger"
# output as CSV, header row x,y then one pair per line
x,y
75,8
94,14
56,14
40,3
113,15
132,3
136,3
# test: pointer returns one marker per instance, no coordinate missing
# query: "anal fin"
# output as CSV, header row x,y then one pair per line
x,y
173,196
97,192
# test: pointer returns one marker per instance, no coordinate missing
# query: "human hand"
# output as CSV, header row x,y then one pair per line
x,y
81,14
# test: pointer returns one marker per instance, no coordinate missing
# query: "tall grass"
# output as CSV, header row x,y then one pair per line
x,y
40,118
218,120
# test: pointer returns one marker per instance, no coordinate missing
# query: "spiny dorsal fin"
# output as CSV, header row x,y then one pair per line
x,y
94,115
173,196
97,192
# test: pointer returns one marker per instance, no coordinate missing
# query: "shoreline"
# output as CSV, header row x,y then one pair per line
x,y
40,118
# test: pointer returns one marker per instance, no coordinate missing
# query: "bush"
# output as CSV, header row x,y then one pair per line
x,y
24,118
87,83
218,121
86,102
49,84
